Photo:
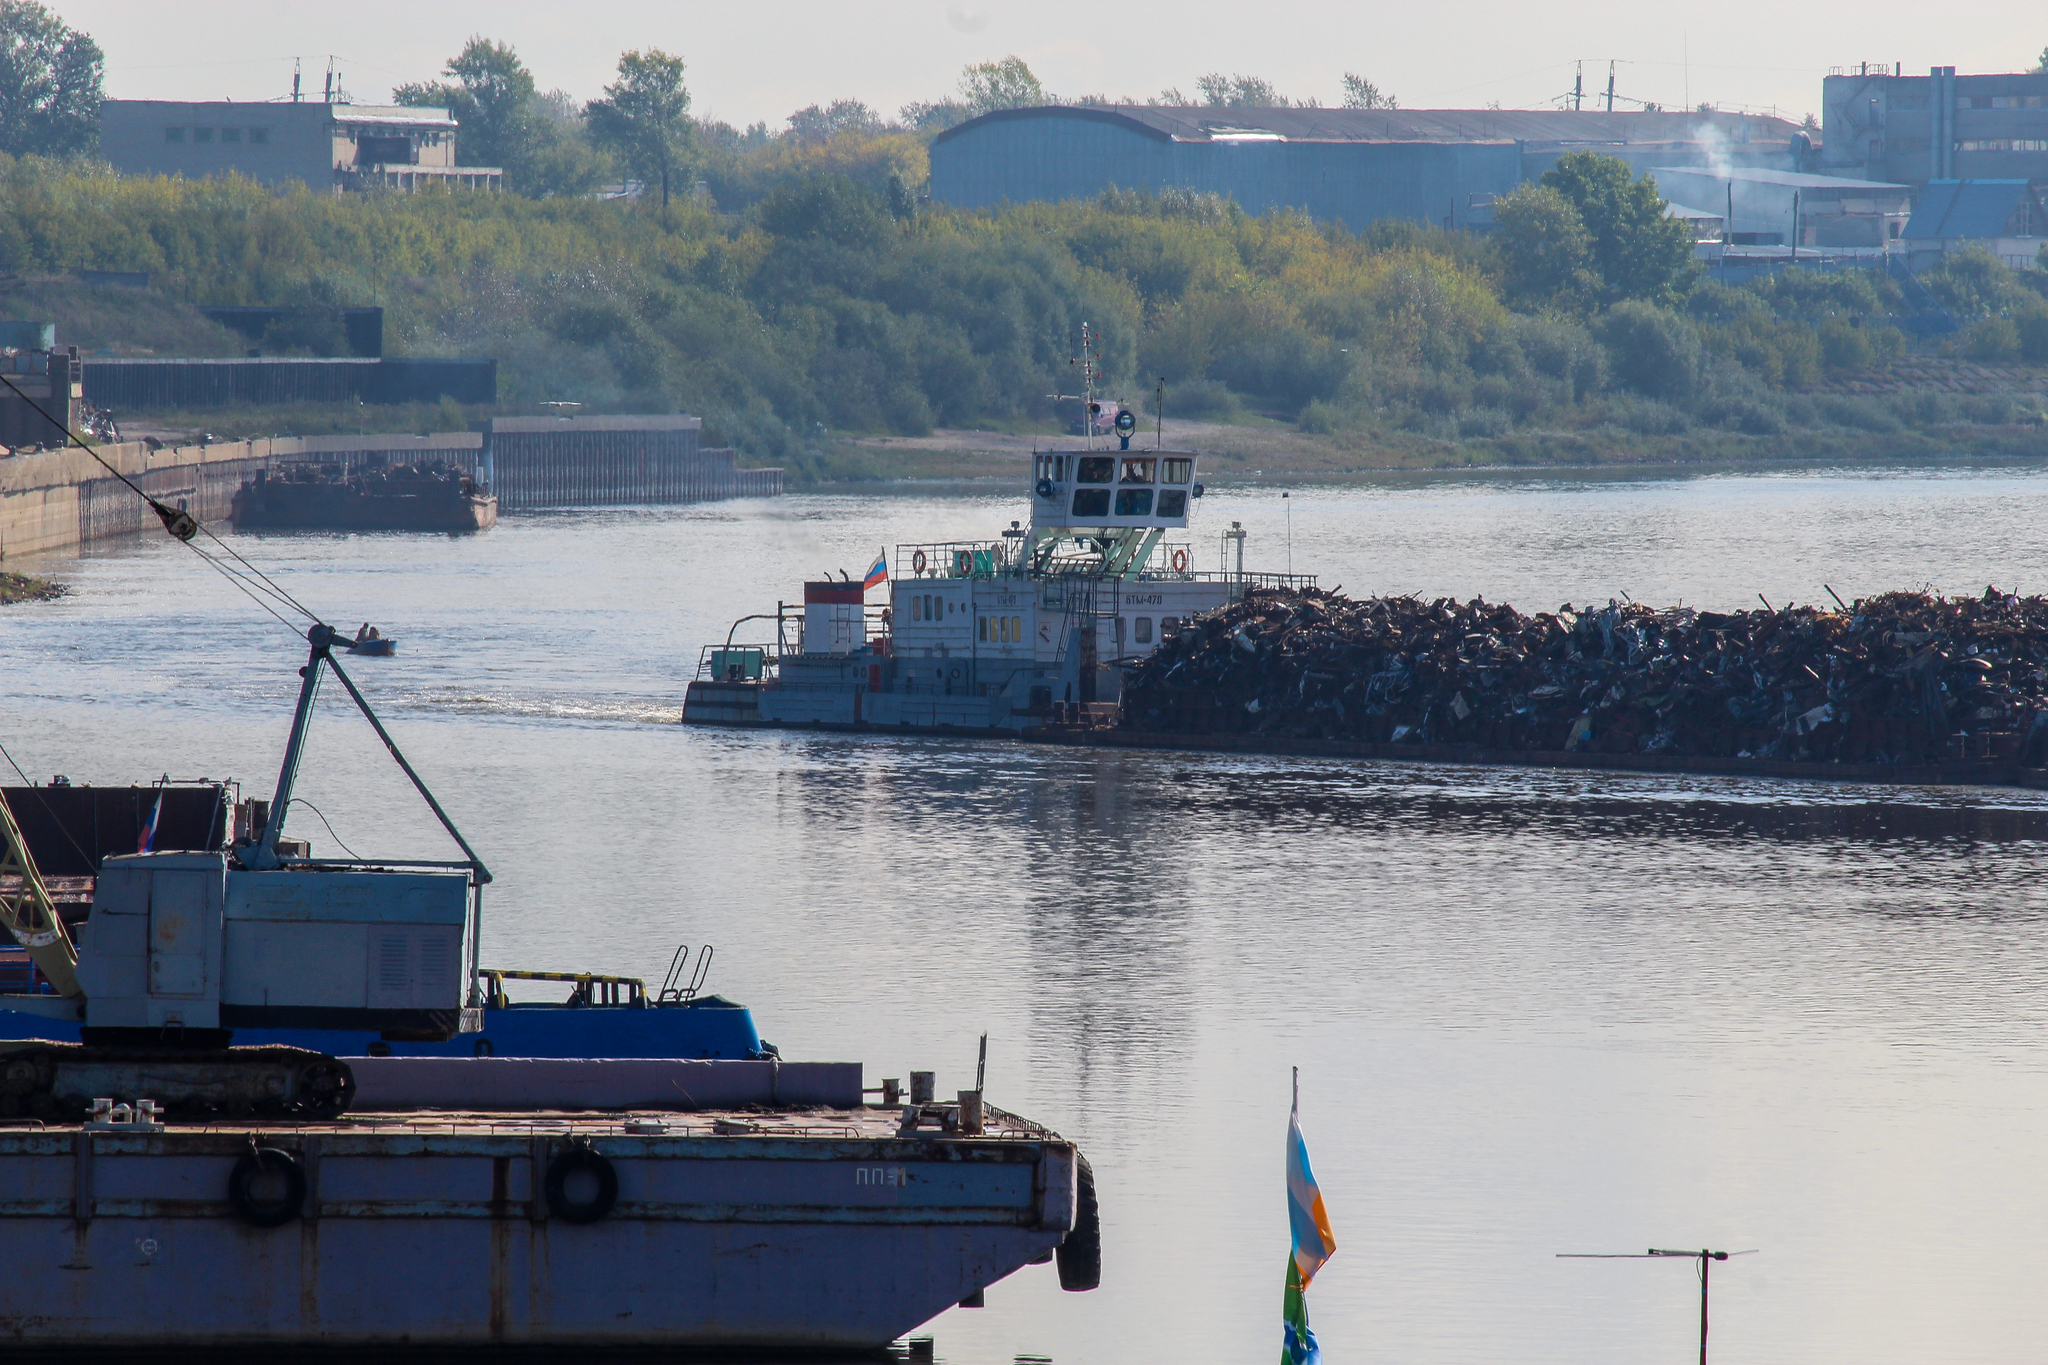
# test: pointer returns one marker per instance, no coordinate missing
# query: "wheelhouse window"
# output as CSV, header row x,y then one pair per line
x,y
1094,468
1141,630
1134,502
1176,471
1173,502
1137,471
174,134
1091,502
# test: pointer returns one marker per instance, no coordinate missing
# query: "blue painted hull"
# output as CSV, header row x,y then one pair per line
x,y
710,1027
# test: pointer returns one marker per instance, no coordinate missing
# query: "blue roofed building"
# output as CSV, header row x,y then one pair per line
x,y
1441,167
2003,217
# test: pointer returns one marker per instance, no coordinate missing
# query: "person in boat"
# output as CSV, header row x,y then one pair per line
x,y
365,632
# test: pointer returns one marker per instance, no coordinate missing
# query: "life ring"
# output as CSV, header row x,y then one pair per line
x,y
1180,561
1080,1251
963,563
268,1187
917,562
1045,488
581,1209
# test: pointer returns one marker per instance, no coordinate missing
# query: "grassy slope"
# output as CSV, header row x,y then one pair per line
x,y
130,322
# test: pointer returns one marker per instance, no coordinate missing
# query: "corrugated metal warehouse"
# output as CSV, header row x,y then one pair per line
x,y
1441,167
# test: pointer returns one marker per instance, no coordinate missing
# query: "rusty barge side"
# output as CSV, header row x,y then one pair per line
x,y
815,1229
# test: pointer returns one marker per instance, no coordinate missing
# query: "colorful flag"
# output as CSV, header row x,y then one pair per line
x,y
1314,1243
149,829
879,574
1300,1346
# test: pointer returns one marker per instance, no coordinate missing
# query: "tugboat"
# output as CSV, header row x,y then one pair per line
x,y
327,497
995,636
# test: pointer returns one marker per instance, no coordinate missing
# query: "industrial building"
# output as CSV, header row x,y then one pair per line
x,y
1783,208
325,146
1880,124
1442,167
2003,217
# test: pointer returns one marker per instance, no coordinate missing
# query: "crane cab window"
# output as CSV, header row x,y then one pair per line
x,y
1137,471
1053,467
1094,468
1134,502
1173,502
1176,471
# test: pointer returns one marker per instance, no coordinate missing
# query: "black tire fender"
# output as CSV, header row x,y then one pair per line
x,y
259,1210
581,1158
1080,1254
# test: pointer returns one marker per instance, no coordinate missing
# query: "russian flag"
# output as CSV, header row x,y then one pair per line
x,y
149,829
877,575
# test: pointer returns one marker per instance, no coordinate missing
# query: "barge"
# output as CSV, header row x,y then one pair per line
x,y
310,497
785,1215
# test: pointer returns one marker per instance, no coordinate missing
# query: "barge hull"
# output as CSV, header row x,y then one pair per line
x,y
820,1230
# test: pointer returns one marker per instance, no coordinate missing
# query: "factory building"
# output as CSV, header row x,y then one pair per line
x,y
325,146
2003,217
1879,124
1441,167
1781,208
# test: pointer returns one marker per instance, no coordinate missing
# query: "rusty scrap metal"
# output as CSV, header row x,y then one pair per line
x,y
1900,677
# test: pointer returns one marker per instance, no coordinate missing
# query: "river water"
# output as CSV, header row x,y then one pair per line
x,y
1534,1012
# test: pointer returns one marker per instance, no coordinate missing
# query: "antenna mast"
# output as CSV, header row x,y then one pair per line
x,y
1610,87
296,96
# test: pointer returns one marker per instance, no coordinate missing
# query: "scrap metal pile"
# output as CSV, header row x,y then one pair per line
x,y
1902,677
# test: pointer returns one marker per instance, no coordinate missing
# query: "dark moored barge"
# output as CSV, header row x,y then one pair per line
x,y
394,498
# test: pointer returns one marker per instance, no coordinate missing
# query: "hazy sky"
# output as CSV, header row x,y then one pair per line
x,y
764,59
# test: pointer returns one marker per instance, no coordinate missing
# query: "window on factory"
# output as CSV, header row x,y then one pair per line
x,y
2003,144
174,134
202,134
231,135
2019,101
259,136
1142,630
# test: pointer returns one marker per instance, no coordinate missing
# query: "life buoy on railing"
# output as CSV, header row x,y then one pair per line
x,y
917,562
1180,561
963,563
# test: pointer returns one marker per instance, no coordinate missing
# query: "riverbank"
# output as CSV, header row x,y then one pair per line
x,y
20,587
1258,447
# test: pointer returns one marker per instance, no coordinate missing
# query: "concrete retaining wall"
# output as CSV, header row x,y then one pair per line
x,y
58,499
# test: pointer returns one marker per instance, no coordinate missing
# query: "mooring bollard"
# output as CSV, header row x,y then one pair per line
x,y
924,1086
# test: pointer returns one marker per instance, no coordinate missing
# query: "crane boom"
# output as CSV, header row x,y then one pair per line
x,y
26,911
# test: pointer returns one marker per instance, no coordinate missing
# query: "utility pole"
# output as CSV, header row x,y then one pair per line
x,y
1578,86
1703,1256
1610,87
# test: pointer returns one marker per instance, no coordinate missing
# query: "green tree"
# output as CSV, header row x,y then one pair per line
x,y
1239,92
1007,84
1360,93
1654,351
1545,252
49,83
1638,252
493,101
645,116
